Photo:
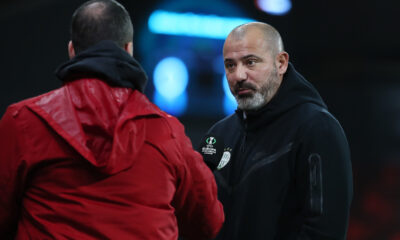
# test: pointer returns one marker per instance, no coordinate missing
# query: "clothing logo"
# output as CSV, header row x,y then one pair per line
x,y
226,156
211,140
209,149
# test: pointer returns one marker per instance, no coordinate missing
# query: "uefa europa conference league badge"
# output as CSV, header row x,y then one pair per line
x,y
211,150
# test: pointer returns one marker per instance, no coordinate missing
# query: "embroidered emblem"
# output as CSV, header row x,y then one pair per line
x,y
226,156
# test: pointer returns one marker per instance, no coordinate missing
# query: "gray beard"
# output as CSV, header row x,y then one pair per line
x,y
251,103
261,97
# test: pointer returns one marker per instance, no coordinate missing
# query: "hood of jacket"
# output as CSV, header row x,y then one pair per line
x,y
105,61
98,110
294,90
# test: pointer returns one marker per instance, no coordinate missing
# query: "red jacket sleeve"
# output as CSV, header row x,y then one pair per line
x,y
12,173
200,214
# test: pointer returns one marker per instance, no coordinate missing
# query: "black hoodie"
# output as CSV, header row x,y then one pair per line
x,y
289,171
106,61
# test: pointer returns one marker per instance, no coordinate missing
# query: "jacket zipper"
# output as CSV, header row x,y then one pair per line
x,y
243,142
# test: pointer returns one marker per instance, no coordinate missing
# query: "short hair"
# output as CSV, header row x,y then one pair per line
x,y
98,20
270,34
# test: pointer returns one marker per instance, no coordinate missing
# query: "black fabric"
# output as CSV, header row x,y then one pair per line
x,y
107,62
269,188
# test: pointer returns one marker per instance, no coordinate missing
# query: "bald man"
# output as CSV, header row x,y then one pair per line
x,y
285,171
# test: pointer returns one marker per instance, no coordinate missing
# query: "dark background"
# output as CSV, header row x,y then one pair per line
x,y
348,49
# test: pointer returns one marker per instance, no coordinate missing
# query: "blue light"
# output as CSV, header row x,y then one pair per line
x,y
218,64
227,90
230,104
193,25
170,77
275,7
174,106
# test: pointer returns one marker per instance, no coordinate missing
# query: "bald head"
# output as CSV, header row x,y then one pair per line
x,y
94,10
98,20
272,37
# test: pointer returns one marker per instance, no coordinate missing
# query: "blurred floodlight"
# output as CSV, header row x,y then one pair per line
x,y
193,25
170,77
275,7
230,104
174,106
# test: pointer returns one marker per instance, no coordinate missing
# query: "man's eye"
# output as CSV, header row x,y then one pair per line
x,y
229,65
251,62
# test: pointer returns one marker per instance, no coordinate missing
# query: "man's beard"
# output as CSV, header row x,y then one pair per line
x,y
261,96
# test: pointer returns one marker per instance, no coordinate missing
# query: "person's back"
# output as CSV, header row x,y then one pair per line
x,y
95,159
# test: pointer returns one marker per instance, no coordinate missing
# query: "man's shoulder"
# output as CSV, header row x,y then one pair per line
x,y
143,106
161,125
229,121
309,112
317,119
17,107
163,131
315,113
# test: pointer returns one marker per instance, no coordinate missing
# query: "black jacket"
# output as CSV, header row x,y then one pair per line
x,y
289,173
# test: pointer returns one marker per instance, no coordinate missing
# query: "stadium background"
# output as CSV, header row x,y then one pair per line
x,y
350,50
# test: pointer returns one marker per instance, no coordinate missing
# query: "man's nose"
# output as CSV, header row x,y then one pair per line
x,y
241,73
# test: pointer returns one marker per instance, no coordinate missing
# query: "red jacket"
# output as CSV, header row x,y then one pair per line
x,y
88,161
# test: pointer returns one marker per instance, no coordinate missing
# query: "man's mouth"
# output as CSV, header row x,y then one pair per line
x,y
243,92
244,89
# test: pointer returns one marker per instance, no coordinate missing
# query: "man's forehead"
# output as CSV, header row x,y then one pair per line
x,y
245,46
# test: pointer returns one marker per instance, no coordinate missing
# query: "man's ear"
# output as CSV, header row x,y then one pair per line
x,y
71,50
129,48
282,62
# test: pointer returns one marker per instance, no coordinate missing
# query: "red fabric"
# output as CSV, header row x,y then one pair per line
x,y
88,161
